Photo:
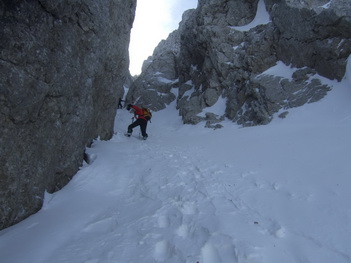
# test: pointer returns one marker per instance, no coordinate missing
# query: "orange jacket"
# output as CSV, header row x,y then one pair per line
x,y
139,112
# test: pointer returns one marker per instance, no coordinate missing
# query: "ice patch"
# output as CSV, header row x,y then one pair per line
x,y
166,81
280,70
261,18
327,5
218,108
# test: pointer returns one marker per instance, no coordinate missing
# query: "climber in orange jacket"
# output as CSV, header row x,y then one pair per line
x,y
140,121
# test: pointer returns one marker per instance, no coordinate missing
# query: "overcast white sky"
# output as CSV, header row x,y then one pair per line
x,y
154,20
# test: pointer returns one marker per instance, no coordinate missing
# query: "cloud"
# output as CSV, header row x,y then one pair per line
x,y
154,20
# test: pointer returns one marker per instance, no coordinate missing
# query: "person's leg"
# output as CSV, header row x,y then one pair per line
x,y
143,125
133,125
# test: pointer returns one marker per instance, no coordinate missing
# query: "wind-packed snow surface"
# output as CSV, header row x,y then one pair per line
x,y
268,194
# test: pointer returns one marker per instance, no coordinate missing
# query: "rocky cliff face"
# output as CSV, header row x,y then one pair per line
x,y
62,68
218,57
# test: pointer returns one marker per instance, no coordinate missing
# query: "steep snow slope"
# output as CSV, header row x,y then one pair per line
x,y
268,194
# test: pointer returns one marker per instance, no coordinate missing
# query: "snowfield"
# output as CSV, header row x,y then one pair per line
x,y
278,193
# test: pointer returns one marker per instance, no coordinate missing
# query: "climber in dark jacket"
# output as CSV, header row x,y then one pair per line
x,y
120,103
140,121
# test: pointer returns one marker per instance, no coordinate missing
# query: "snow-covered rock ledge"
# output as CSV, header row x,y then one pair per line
x,y
223,49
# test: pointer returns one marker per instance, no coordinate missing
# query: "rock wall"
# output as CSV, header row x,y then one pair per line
x,y
62,67
159,74
315,34
217,58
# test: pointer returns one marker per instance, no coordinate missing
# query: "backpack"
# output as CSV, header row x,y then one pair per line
x,y
147,113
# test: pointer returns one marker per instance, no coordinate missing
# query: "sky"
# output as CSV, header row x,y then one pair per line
x,y
154,21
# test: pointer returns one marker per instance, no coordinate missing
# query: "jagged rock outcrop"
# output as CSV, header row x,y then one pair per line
x,y
314,34
224,51
62,67
153,88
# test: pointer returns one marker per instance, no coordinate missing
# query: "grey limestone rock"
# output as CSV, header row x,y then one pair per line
x,y
62,68
153,88
314,34
215,59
